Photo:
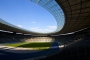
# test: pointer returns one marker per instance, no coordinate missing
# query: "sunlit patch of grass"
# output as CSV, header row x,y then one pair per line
x,y
34,45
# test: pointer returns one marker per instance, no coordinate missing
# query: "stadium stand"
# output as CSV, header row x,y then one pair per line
x,y
77,47
79,50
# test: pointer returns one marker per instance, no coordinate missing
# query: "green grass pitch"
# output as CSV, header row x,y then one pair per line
x,y
34,45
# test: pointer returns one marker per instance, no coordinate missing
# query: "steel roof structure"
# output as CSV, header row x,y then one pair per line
x,y
76,15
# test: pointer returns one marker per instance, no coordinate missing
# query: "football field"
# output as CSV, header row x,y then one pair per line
x,y
34,45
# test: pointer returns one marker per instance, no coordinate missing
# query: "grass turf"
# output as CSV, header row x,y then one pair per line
x,y
34,45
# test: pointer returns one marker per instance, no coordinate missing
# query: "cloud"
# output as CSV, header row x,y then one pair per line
x,y
20,26
52,27
33,22
46,30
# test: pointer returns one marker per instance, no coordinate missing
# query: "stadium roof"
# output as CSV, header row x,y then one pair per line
x,y
76,16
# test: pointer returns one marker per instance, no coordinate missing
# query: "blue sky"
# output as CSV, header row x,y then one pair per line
x,y
27,15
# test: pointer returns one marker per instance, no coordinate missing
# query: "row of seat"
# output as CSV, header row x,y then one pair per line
x,y
73,51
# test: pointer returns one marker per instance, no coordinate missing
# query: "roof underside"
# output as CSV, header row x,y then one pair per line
x,y
77,16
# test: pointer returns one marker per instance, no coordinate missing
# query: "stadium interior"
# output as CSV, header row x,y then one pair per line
x,y
72,42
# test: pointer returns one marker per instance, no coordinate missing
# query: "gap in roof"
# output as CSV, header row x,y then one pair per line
x,y
27,15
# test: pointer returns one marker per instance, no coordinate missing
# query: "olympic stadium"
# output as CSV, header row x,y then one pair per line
x,y
70,41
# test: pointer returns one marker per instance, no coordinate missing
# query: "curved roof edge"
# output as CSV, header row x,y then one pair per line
x,y
77,17
55,9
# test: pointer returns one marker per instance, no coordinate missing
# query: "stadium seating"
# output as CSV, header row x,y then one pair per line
x,y
75,51
76,46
